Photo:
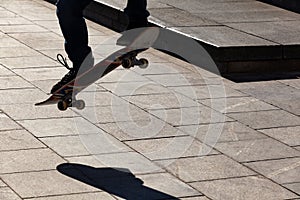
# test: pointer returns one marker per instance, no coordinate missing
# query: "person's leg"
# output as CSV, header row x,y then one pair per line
x,y
74,29
137,13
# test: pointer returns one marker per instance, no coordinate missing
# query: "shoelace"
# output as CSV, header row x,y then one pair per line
x,y
62,60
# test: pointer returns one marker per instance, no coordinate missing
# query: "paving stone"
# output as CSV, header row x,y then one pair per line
x,y
197,71
45,44
104,50
57,31
292,82
115,113
41,15
295,187
121,76
154,56
249,16
13,21
266,119
36,36
135,88
205,168
170,148
83,196
48,24
209,92
66,145
45,183
20,51
168,184
22,28
248,88
239,104
140,130
281,171
5,72
99,143
222,36
254,187
36,74
102,29
30,111
179,79
6,14
14,82
28,62
290,105
221,5
190,116
133,161
52,53
18,139
7,124
222,132
59,127
7,194
256,150
97,39
161,101
91,160
177,17
2,184
6,42
280,31
158,66
287,135
100,98
275,93
45,85
28,160
94,31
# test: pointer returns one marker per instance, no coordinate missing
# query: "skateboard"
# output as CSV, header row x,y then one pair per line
x,y
65,97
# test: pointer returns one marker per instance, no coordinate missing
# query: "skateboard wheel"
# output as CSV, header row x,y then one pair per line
x,y
80,104
62,105
127,63
144,62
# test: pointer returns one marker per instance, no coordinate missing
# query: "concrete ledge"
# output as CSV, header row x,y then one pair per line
x,y
248,55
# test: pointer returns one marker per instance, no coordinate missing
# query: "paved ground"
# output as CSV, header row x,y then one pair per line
x,y
156,125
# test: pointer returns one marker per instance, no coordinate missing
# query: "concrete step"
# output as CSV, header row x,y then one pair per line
x,y
241,36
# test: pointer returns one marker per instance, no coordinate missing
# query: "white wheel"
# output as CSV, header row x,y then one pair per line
x,y
144,62
80,104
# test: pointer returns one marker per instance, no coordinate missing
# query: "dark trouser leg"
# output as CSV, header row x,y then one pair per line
x,y
137,13
74,29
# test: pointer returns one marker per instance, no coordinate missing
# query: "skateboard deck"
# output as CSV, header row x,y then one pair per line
x,y
127,57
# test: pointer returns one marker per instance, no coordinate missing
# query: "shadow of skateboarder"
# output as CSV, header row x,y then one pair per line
x,y
116,181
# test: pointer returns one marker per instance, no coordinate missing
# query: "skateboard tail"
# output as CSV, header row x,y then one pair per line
x,y
51,100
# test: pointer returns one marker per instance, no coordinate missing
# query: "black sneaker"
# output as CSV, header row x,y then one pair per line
x,y
68,77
